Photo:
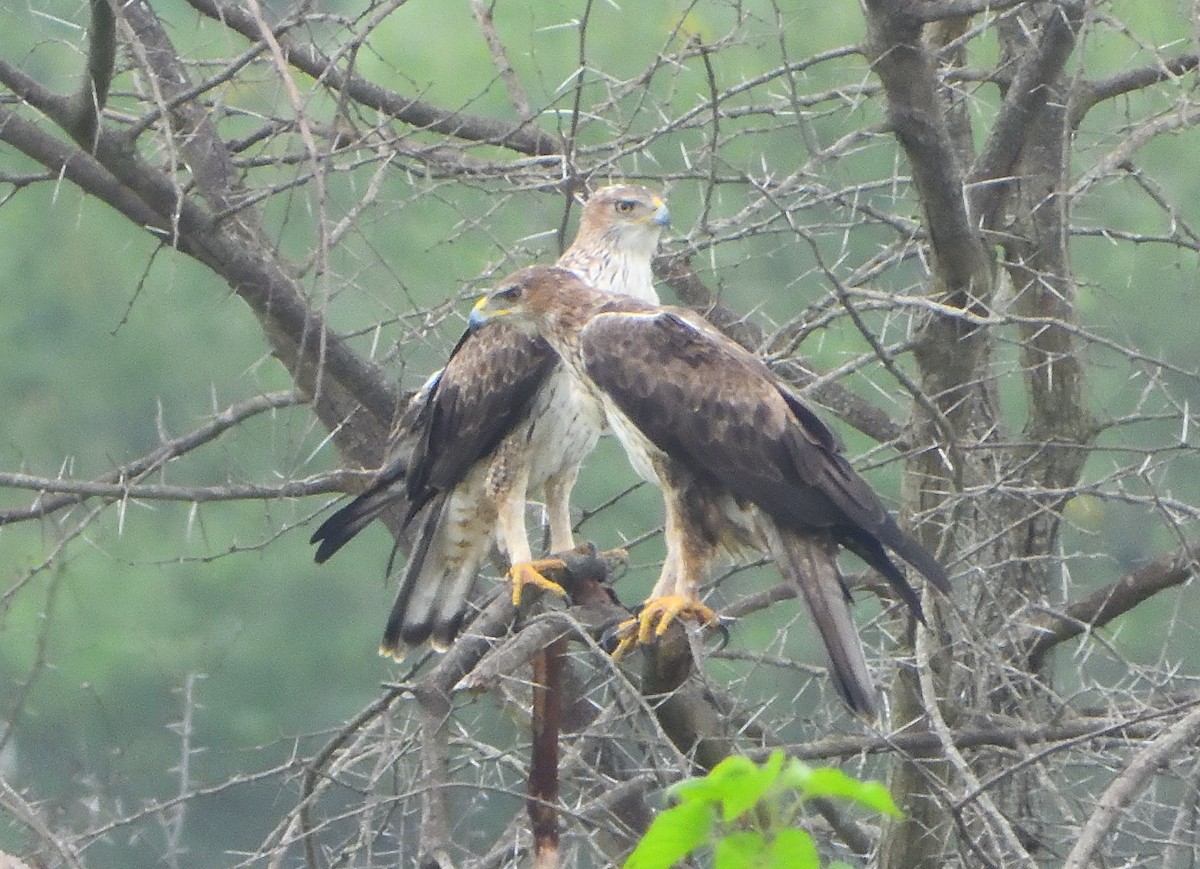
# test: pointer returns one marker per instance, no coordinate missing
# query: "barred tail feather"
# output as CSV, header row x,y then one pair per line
x,y
810,564
436,583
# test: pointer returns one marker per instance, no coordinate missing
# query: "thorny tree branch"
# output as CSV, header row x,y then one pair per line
x,y
122,491
1126,786
1089,93
1052,628
1015,736
198,201
905,68
677,272
522,137
93,93
999,829
29,816
516,91
1025,99
122,482
154,200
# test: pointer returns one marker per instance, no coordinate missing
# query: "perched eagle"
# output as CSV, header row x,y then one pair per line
x,y
502,421
741,461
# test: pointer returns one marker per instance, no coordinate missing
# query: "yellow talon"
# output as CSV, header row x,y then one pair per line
x,y
654,619
526,573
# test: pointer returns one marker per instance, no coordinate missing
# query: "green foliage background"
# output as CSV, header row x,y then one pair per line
x,y
108,343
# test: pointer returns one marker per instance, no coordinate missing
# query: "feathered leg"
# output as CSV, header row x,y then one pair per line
x,y
510,524
676,594
557,491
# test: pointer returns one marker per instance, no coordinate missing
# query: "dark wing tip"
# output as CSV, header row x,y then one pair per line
x,y
928,566
890,534
344,525
325,550
330,537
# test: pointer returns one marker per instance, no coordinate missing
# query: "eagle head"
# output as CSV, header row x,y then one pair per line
x,y
625,217
532,299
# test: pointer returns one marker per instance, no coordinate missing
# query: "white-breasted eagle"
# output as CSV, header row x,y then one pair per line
x,y
742,462
501,422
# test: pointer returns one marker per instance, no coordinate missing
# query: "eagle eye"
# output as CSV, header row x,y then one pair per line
x,y
509,294
625,206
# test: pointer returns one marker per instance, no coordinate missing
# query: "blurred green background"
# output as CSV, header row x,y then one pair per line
x,y
155,610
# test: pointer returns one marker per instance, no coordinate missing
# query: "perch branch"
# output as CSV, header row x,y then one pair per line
x,y
545,723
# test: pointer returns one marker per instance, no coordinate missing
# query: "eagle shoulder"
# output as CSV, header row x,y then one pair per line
x,y
483,393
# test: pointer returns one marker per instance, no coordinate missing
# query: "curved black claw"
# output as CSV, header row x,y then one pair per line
x,y
610,637
722,627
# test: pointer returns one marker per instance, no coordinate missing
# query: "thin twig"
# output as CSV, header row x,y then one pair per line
x,y
487,24
1126,786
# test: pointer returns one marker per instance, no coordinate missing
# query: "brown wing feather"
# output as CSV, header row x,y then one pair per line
x,y
705,401
481,395
716,409
484,391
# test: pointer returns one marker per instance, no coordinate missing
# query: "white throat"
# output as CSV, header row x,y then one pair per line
x,y
624,268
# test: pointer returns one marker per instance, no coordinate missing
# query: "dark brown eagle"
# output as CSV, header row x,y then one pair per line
x,y
501,422
741,461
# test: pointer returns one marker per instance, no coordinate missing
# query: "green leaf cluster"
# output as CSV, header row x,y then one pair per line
x,y
746,813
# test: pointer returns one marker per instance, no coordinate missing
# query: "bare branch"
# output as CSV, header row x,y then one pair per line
x,y
1126,786
146,195
118,480
29,816
522,137
999,828
93,93
121,491
1026,97
900,59
1180,118
1015,736
1102,606
868,418
1089,94
1180,852
487,24
938,10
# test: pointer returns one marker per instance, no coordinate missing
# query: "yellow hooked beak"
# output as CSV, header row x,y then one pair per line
x,y
487,308
479,315
661,216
